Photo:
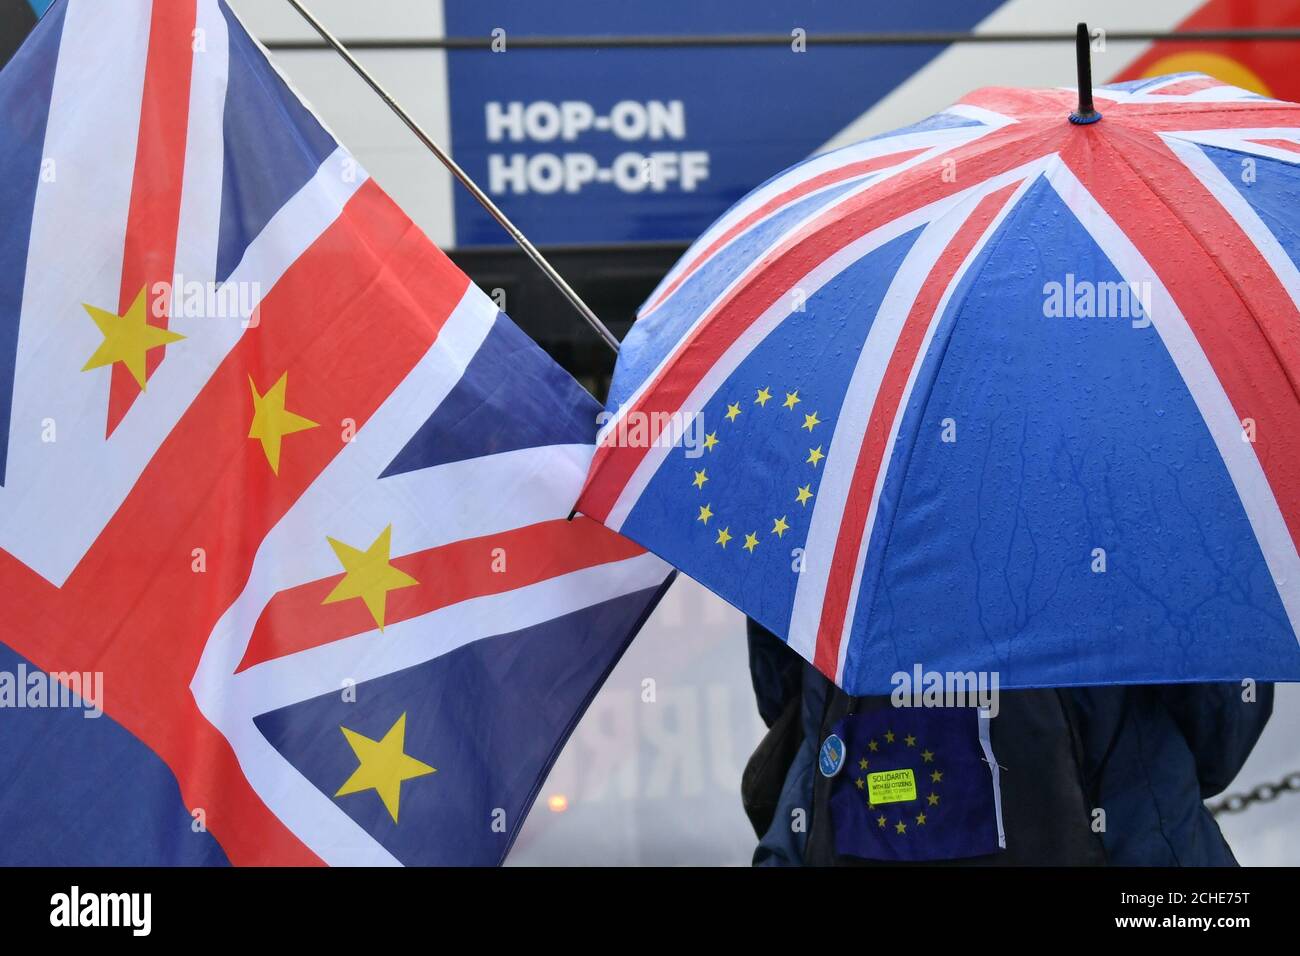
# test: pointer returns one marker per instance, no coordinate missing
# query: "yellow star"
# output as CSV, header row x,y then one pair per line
x,y
383,765
889,736
732,411
815,455
272,421
936,776
700,478
811,421
862,764
872,746
723,536
763,396
369,575
860,783
920,819
792,398
910,740
932,799
881,821
751,541
780,527
127,338
705,514
710,440
804,494
927,756
900,826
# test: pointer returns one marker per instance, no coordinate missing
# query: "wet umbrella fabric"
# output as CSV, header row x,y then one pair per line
x,y
994,393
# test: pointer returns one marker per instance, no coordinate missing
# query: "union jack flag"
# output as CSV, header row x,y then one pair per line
x,y
280,489
993,392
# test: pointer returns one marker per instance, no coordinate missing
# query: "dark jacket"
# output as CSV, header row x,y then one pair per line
x,y
1147,757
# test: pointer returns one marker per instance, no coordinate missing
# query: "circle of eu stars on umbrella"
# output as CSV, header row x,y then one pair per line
x,y
783,518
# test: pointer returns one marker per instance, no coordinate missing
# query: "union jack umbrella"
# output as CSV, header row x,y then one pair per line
x,y
994,392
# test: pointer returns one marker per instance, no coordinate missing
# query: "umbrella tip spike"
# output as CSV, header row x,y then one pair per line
x,y
1086,113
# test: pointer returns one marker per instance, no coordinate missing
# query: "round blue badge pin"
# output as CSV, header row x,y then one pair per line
x,y
831,759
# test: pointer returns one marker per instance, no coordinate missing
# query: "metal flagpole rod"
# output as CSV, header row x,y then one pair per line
x,y
529,249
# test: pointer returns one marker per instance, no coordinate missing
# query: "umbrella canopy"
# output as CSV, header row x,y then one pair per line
x,y
996,392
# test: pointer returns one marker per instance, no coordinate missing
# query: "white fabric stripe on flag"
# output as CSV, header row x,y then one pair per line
x,y
51,512
199,227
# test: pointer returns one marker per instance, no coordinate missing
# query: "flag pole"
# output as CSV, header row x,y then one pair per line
x,y
454,168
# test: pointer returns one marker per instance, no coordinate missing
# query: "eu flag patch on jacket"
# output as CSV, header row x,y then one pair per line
x,y
283,496
914,785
